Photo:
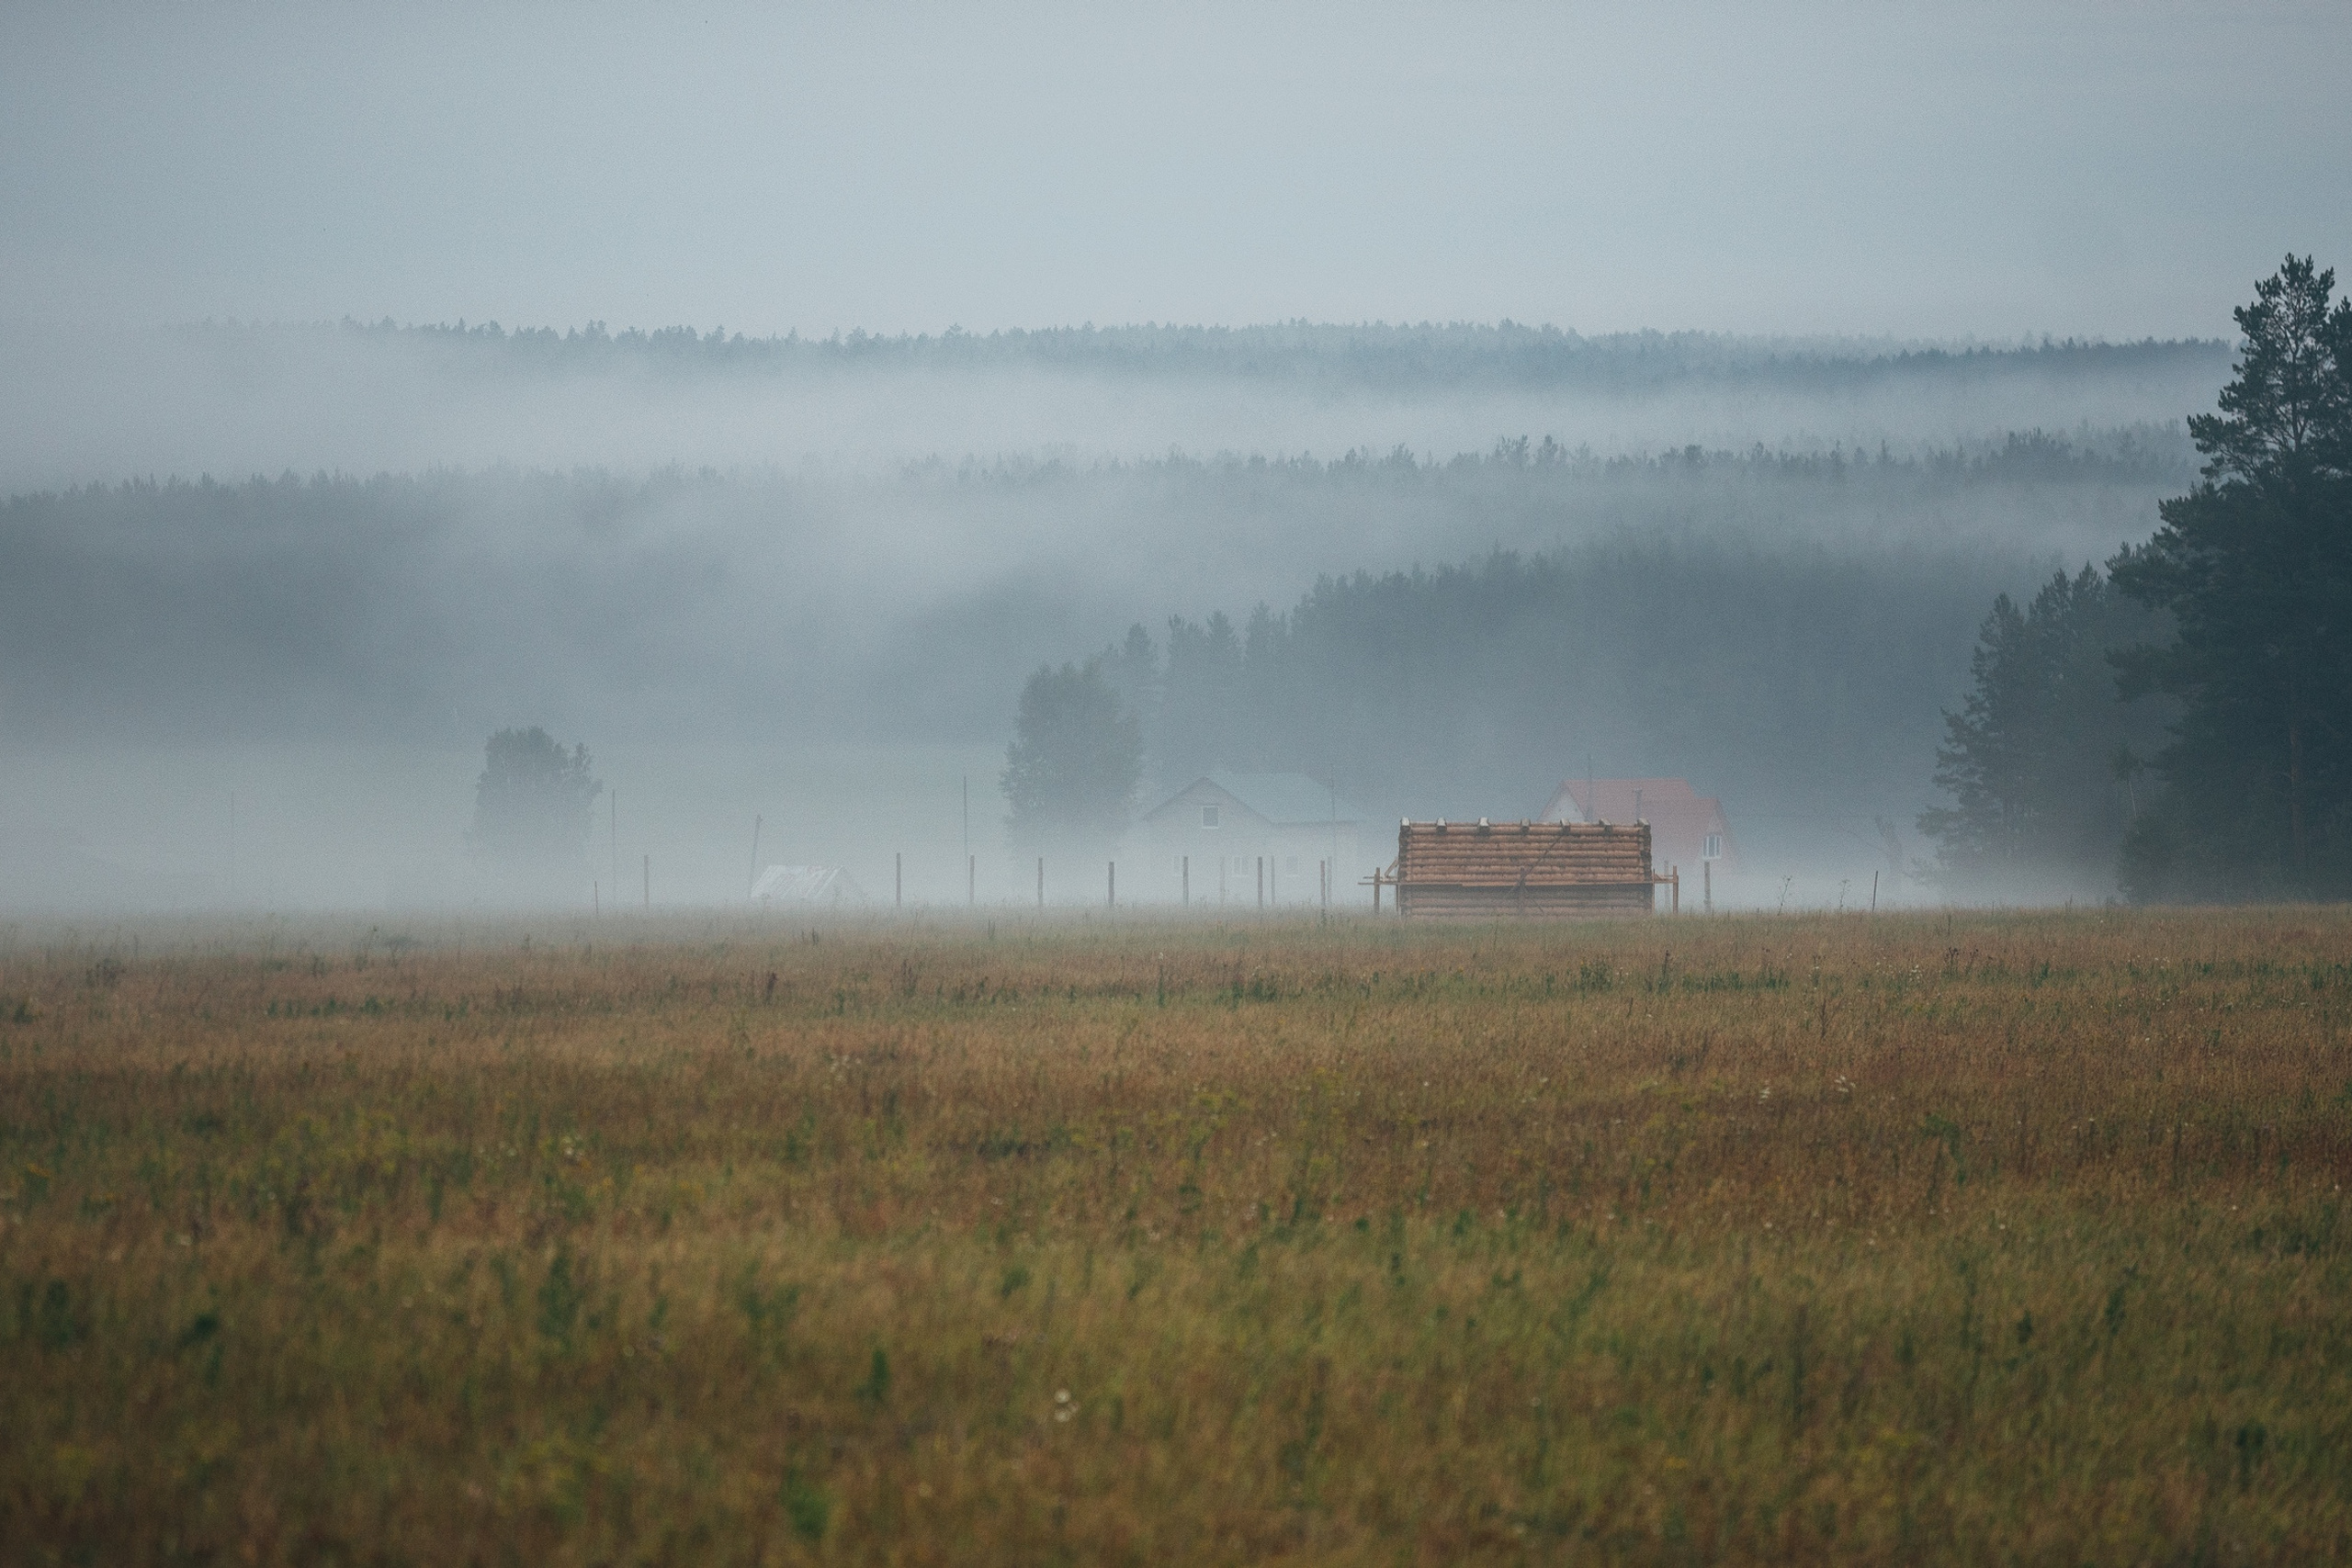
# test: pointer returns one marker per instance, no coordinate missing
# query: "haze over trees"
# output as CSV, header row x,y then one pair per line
x,y
1451,356
534,806
2040,762
1782,621
1075,757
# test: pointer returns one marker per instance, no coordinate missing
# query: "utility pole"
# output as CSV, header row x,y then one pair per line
x,y
754,883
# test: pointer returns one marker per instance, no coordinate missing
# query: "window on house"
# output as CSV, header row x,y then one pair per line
x,y
1713,846
1208,815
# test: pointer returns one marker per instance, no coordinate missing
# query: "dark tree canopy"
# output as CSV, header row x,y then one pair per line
x,y
533,805
2255,565
2038,761
1076,758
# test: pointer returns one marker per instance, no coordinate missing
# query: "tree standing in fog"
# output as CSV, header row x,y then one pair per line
x,y
534,805
2256,566
1075,760
2031,760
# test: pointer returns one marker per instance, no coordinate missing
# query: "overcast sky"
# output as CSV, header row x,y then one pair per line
x,y
1914,170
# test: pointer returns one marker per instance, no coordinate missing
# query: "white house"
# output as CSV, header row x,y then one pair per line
x,y
1215,838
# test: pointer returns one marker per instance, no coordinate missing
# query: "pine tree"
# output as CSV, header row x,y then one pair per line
x,y
2255,565
2031,760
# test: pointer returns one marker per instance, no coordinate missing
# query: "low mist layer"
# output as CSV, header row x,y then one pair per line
x,y
1452,630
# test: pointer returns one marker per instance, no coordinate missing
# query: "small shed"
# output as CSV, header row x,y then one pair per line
x,y
1482,870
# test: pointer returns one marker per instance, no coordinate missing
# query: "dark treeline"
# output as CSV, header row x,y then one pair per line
x,y
1803,684
2131,454
2045,765
1371,355
2207,678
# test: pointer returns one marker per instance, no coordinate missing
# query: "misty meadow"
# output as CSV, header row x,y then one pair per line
x,y
914,784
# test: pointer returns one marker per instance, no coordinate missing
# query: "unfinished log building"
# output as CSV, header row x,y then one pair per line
x,y
1483,870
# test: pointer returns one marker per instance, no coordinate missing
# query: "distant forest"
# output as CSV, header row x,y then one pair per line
x,y
1370,356
1785,628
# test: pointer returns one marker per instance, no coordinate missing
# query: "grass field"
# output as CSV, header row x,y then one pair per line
x,y
1974,1238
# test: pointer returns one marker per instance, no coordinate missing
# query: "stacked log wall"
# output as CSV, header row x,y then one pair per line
x,y
1556,869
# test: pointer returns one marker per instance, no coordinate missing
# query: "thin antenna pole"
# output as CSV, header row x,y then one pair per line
x,y
750,886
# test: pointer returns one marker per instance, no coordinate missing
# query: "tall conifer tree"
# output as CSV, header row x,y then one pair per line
x,y
2255,565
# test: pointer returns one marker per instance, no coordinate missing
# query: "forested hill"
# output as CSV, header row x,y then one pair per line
x,y
1368,356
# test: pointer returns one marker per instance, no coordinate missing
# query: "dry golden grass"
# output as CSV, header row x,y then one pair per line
x,y
1971,1239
